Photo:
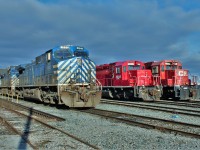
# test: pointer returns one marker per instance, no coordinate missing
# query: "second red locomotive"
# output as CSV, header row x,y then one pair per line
x,y
128,80
174,80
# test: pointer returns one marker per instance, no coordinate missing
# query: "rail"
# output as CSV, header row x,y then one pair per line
x,y
162,125
11,105
49,133
187,112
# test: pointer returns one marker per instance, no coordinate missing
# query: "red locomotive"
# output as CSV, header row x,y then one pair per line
x,y
127,80
174,80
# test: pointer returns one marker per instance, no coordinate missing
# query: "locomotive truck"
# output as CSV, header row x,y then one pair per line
x,y
128,80
62,75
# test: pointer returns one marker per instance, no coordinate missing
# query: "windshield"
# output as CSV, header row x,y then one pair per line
x,y
171,67
63,54
132,67
66,52
79,53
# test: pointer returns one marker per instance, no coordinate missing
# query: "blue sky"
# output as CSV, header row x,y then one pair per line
x,y
112,30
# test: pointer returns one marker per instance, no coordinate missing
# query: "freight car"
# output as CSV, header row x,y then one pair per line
x,y
174,80
62,75
127,80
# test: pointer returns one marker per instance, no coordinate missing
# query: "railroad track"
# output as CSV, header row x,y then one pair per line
x,y
36,132
25,110
194,104
162,125
182,111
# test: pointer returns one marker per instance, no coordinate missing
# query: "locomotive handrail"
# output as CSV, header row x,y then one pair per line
x,y
98,84
155,80
144,77
111,81
134,78
177,81
174,80
194,80
138,79
108,79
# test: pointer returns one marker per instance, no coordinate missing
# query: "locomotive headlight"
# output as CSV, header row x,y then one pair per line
x,y
64,47
72,80
79,61
93,80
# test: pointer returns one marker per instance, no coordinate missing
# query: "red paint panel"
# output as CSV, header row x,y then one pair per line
x,y
127,73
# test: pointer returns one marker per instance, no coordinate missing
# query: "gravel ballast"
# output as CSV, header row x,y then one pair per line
x,y
151,113
107,134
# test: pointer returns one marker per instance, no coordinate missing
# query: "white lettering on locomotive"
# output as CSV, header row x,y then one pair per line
x,y
118,77
182,73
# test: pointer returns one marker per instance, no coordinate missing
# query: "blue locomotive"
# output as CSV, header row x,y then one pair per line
x,y
62,75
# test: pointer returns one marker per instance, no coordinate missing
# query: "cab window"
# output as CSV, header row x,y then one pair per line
x,y
171,67
63,54
155,69
79,53
48,57
124,69
132,67
162,68
117,70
